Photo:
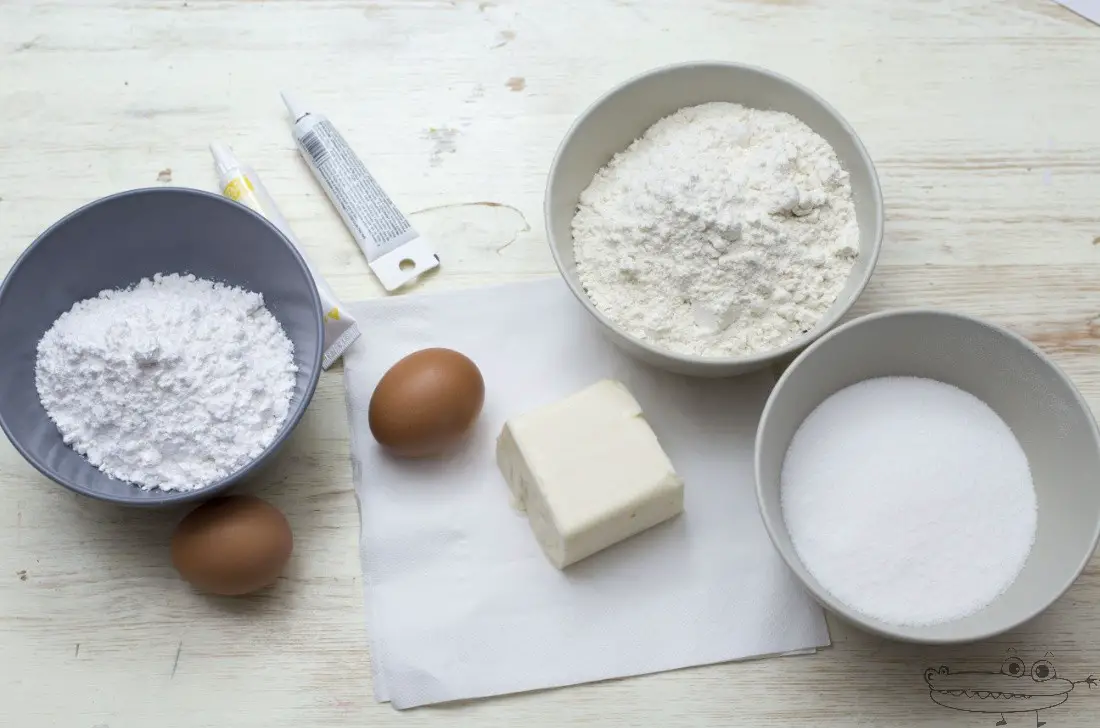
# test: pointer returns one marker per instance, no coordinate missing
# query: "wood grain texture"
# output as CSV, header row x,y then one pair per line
x,y
982,119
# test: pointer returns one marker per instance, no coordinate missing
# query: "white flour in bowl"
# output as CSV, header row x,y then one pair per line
x,y
174,383
722,231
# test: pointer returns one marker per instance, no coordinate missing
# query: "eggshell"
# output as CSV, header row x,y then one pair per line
x,y
426,403
232,546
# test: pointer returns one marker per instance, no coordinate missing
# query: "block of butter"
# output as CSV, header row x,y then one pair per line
x,y
589,472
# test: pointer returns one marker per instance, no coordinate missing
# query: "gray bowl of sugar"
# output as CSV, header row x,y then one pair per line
x,y
929,476
243,345
696,250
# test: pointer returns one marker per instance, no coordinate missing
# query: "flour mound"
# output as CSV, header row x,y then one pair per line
x,y
722,231
174,383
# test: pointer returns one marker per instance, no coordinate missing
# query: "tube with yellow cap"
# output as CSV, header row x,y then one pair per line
x,y
240,183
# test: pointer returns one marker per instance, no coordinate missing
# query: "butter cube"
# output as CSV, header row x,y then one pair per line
x,y
589,472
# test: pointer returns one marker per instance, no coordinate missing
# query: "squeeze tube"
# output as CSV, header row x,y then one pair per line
x,y
396,252
240,183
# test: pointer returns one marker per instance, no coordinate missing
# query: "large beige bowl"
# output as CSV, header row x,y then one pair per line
x,y
1048,416
622,115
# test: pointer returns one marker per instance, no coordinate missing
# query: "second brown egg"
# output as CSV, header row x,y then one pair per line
x,y
232,545
426,403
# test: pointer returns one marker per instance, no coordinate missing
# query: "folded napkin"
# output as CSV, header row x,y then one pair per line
x,y
461,601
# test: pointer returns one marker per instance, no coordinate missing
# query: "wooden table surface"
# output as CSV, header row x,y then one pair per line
x,y
982,117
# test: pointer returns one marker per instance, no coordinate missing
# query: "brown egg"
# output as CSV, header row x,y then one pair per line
x,y
426,403
233,545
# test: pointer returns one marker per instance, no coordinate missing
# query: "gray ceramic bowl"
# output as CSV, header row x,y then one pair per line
x,y
1052,422
623,114
113,243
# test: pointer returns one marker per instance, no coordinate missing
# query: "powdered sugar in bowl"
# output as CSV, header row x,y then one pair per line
x,y
713,217
214,397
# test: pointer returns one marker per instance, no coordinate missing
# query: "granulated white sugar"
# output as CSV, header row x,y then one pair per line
x,y
909,500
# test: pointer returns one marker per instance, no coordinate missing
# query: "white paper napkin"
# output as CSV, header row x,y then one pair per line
x,y
1087,9
461,601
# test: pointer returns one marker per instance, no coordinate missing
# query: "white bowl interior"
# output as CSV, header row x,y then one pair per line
x,y
614,121
1043,408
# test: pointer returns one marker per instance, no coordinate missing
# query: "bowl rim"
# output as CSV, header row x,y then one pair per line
x,y
758,359
175,497
821,595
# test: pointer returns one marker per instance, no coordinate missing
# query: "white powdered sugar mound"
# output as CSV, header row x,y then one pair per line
x,y
174,383
722,231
